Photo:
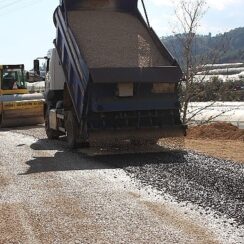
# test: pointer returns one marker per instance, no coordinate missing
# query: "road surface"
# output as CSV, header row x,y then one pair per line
x,y
50,194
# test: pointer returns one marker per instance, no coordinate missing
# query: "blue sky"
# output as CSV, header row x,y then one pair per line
x,y
27,30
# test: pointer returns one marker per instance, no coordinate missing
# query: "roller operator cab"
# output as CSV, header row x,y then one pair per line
x,y
110,77
12,79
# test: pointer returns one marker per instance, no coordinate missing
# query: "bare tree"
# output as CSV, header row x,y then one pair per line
x,y
189,14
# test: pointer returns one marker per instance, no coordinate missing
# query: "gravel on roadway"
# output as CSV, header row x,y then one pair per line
x,y
50,194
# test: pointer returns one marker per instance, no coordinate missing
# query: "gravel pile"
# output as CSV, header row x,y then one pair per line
x,y
113,39
211,183
218,130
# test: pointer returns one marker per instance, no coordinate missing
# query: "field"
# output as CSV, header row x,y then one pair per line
x,y
221,140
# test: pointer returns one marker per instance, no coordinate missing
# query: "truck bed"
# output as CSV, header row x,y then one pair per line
x,y
114,39
116,71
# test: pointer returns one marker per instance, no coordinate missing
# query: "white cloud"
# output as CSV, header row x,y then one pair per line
x,y
215,4
218,20
162,26
222,4
162,2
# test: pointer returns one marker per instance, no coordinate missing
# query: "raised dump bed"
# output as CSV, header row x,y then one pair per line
x,y
119,78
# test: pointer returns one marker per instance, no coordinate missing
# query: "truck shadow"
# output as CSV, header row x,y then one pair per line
x,y
24,127
143,158
90,159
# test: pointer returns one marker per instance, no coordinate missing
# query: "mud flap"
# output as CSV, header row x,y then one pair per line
x,y
72,129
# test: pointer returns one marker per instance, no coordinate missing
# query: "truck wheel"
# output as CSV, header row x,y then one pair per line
x,y
1,120
74,138
72,130
51,134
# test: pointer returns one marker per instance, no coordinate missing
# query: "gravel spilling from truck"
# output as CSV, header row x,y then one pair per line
x,y
103,38
209,182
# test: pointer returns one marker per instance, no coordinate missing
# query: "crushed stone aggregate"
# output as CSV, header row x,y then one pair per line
x,y
190,177
104,30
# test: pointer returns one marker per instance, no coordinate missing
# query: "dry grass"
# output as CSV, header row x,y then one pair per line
x,y
226,149
221,140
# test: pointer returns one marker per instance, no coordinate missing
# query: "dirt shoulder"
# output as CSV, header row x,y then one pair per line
x,y
220,140
226,149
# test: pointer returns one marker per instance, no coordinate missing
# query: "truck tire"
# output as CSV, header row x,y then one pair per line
x,y
51,134
74,138
1,120
72,130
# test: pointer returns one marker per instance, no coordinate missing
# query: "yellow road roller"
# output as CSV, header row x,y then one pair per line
x,y
17,106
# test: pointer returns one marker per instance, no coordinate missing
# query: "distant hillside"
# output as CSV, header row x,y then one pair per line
x,y
204,44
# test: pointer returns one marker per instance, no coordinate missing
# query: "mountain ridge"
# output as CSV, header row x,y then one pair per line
x,y
232,42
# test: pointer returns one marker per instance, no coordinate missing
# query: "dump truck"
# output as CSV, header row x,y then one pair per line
x,y
110,77
17,106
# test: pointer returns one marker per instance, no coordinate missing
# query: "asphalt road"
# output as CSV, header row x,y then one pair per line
x,y
50,194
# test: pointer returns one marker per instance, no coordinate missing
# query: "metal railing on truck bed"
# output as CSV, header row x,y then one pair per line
x,y
75,70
